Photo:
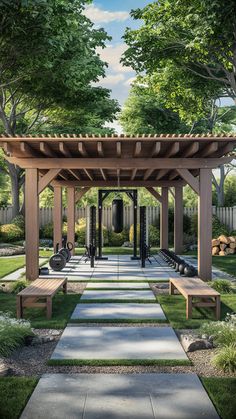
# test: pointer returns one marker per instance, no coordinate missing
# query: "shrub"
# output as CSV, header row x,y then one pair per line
x,y
222,285
19,221
218,228
47,231
223,332
154,236
12,333
225,358
117,239
80,233
19,286
11,233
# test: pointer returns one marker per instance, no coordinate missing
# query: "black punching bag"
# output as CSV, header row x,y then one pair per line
x,y
117,215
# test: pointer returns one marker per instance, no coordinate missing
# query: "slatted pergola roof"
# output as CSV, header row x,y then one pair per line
x,y
142,160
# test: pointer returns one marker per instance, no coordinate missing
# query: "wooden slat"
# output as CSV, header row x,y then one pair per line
x,y
173,150
82,149
209,149
46,150
193,287
118,149
161,173
100,149
190,150
137,148
43,287
63,148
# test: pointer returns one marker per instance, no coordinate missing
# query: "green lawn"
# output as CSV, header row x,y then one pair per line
x,y
15,392
11,264
174,307
226,263
63,306
222,392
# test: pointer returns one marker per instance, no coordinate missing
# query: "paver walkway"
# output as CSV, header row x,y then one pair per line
x,y
119,396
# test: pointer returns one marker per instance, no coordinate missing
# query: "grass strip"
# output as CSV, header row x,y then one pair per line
x,y
117,289
63,306
15,392
119,362
131,321
9,265
174,307
222,393
123,300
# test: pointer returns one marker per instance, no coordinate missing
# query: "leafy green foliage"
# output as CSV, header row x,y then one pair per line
x,y
19,221
145,112
117,239
12,333
223,332
222,285
225,358
18,286
11,233
186,35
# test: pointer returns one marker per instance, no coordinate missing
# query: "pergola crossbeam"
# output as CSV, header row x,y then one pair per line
x,y
121,163
190,179
47,179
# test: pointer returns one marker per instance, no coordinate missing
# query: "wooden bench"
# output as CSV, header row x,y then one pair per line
x,y
195,288
40,289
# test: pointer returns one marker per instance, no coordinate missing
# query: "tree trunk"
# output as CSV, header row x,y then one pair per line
x,y
15,188
221,195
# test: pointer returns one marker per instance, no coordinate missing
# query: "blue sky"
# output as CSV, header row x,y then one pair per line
x,y
114,17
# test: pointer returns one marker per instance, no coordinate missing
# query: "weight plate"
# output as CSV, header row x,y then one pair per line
x,y
57,262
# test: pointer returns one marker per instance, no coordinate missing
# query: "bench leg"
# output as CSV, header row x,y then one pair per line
x,y
189,308
217,300
171,288
49,307
64,288
19,307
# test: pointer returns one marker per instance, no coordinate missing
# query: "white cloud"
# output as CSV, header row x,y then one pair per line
x,y
97,15
129,81
112,80
112,55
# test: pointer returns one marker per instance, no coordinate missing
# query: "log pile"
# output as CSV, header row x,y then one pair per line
x,y
224,245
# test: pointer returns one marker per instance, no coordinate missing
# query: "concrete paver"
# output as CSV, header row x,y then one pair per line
x,y
119,396
115,311
118,295
118,343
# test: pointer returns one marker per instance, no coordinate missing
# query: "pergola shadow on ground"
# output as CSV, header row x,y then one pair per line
x,y
81,162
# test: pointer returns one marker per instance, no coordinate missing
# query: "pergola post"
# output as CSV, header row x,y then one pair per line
x,y
164,224
205,225
57,217
71,217
178,220
32,224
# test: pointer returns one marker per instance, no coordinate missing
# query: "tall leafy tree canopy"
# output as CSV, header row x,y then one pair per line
x,y
198,36
49,67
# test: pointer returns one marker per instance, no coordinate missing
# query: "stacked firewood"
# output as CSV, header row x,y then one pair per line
x,y
224,245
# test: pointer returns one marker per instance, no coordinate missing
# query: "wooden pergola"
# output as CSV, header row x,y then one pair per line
x,y
81,162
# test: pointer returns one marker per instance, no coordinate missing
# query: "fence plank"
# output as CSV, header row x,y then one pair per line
x,y
227,215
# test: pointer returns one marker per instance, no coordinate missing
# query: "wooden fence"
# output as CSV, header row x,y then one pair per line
x,y
227,215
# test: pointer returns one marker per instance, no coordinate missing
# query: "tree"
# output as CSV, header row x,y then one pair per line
x,y
144,112
198,37
48,66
